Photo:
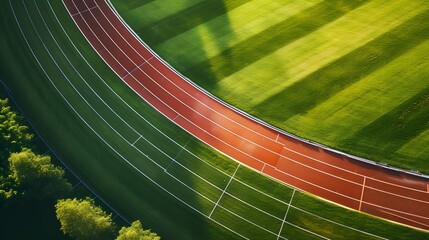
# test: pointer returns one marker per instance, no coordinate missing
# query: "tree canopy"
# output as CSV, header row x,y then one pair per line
x,y
13,135
81,219
136,232
36,176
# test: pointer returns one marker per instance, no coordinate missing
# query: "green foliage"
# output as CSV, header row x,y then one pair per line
x,y
136,232
36,176
13,135
7,189
81,219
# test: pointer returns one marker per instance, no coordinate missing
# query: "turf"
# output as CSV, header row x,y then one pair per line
x,y
286,62
162,175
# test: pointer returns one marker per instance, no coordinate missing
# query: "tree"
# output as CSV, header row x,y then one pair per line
x,y
136,232
36,176
81,219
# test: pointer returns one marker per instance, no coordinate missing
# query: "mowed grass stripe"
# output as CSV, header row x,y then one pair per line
x,y
220,34
306,94
365,101
160,31
297,60
240,55
131,4
418,149
405,122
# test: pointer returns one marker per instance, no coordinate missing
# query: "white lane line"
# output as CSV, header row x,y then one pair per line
x,y
136,140
130,72
411,220
361,194
178,153
86,10
287,211
262,170
230,180
306,230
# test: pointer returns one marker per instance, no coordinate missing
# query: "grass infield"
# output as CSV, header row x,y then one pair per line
x,y
349,74
126,151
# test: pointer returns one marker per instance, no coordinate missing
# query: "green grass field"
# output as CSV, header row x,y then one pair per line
x,y
139,162
348,74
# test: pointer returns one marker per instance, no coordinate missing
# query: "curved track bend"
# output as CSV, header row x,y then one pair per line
x,y
390,194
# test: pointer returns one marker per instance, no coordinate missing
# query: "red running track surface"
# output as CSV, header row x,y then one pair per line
x,y
387,193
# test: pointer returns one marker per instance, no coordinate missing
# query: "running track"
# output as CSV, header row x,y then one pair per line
x,y
387,193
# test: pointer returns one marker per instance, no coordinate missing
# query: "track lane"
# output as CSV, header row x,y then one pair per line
x,y
385,177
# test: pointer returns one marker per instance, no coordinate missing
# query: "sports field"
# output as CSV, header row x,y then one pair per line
x,y
348,74
140,162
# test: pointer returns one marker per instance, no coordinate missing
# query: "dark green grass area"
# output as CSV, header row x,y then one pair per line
x,y
34,220
161,175
180,38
